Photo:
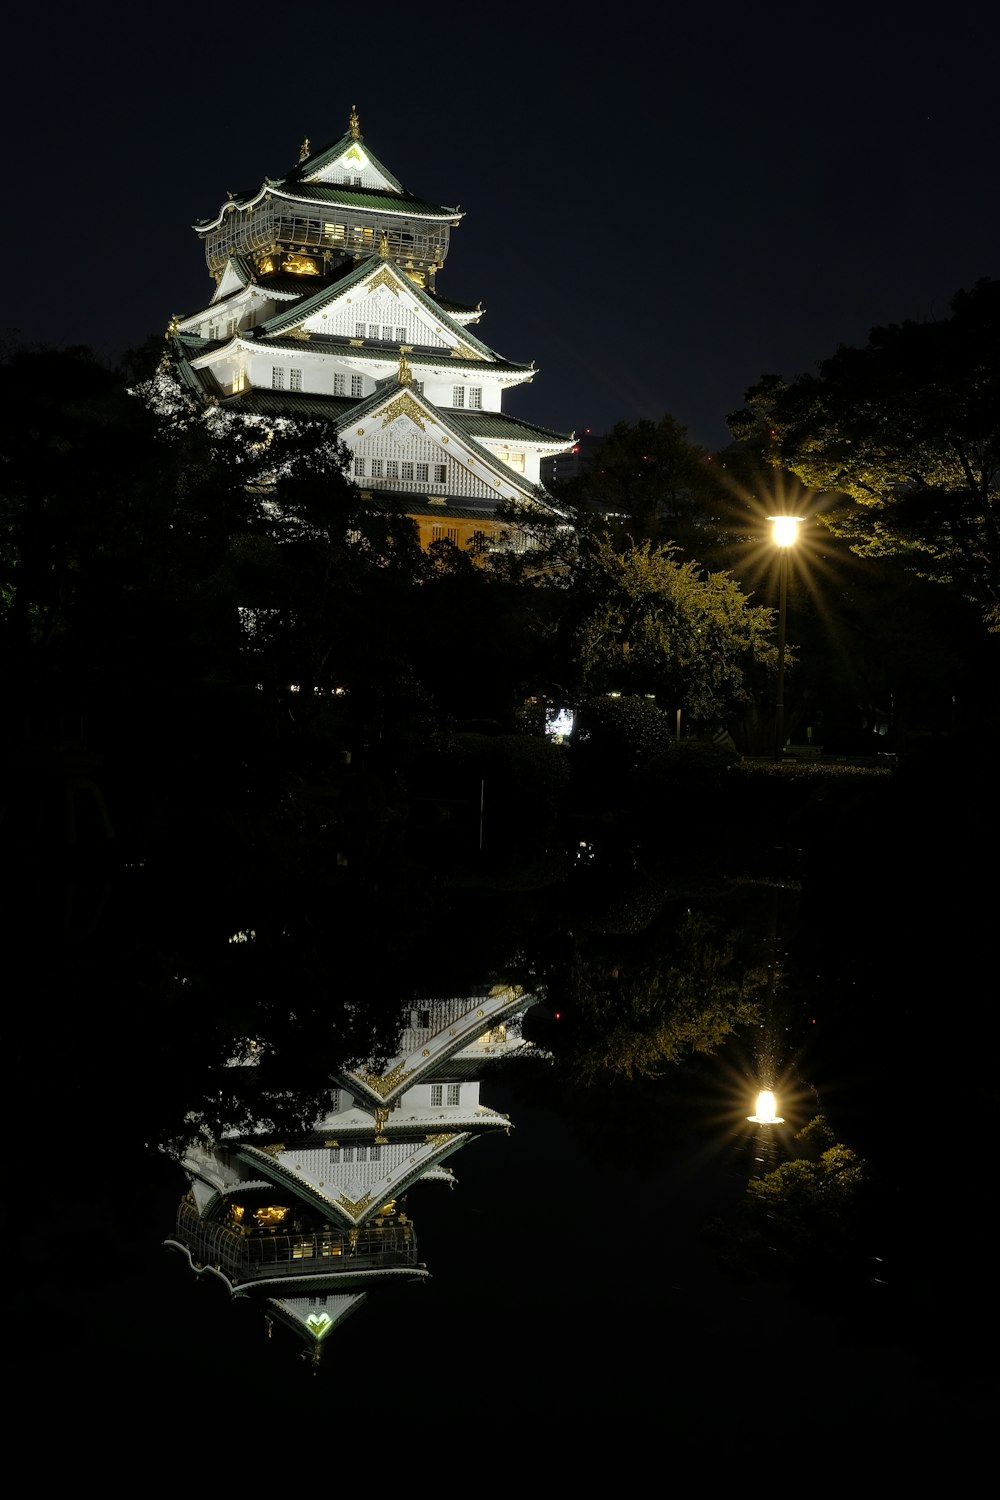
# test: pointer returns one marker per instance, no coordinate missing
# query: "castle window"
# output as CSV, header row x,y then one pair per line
x,y
348,1153
400,335
422,473
407,471
391,468
359,467
376,468
439,473
277,378
359,330
454,1092
387,335
357,385
232,326
373,330
437,1095
295,380
458,396
334,1153
476,396
339,385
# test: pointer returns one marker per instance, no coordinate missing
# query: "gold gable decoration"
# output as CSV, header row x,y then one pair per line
x,y
384,277
403,406
355,124
384,1085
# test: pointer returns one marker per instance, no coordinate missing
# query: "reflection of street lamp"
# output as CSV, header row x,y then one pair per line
x,y
784,534
766,1110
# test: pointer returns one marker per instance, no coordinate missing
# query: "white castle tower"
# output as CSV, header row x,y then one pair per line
x,y
325,305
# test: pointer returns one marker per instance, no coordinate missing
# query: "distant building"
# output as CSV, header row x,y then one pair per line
x,y
325,304
574,461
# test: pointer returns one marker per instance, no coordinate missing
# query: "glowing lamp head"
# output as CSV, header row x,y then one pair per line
x,y
785,530
767,1110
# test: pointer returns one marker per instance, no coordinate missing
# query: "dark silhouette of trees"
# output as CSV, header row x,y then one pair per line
x,y
907,431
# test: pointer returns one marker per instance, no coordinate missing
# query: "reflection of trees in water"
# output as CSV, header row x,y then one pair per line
x,y
637,1009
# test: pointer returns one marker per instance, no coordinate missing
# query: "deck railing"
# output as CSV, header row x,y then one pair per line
x,y
248,1257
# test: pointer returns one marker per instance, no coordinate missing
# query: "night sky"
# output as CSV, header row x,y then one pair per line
x,y
661,204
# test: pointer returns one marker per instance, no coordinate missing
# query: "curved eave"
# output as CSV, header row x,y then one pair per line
x,y
205,226
378,201
219,351
421,360
351,1279
415,1067
501,428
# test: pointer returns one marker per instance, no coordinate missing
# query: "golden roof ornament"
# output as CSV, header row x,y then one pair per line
x,y
405,376
173,327
355,125
383,244
304,148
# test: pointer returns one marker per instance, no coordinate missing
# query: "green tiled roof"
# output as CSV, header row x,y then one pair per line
x,y
495,424
266,403
351,197
454,307
421,355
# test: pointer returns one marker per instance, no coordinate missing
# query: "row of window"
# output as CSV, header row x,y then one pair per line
x,y
355,1153
459,392
372,331
295,382
391,468
437,1093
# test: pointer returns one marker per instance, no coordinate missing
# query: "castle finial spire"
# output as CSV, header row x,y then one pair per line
x,y
405,377
304,149
355,126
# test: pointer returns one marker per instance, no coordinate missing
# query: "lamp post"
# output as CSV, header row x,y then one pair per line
x,y
784,534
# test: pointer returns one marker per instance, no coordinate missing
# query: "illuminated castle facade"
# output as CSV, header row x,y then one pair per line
x,y
309,1227
325,304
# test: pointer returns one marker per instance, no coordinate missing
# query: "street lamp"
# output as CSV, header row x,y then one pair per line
x,y
767,1110
784,534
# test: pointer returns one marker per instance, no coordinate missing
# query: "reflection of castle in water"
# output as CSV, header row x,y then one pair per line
x,y
309,1226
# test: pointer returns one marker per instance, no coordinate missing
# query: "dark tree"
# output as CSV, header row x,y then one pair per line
x,y
907,432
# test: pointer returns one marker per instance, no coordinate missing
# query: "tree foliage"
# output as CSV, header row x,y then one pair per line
x,y
907,431
657,625
649,1007
648,483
